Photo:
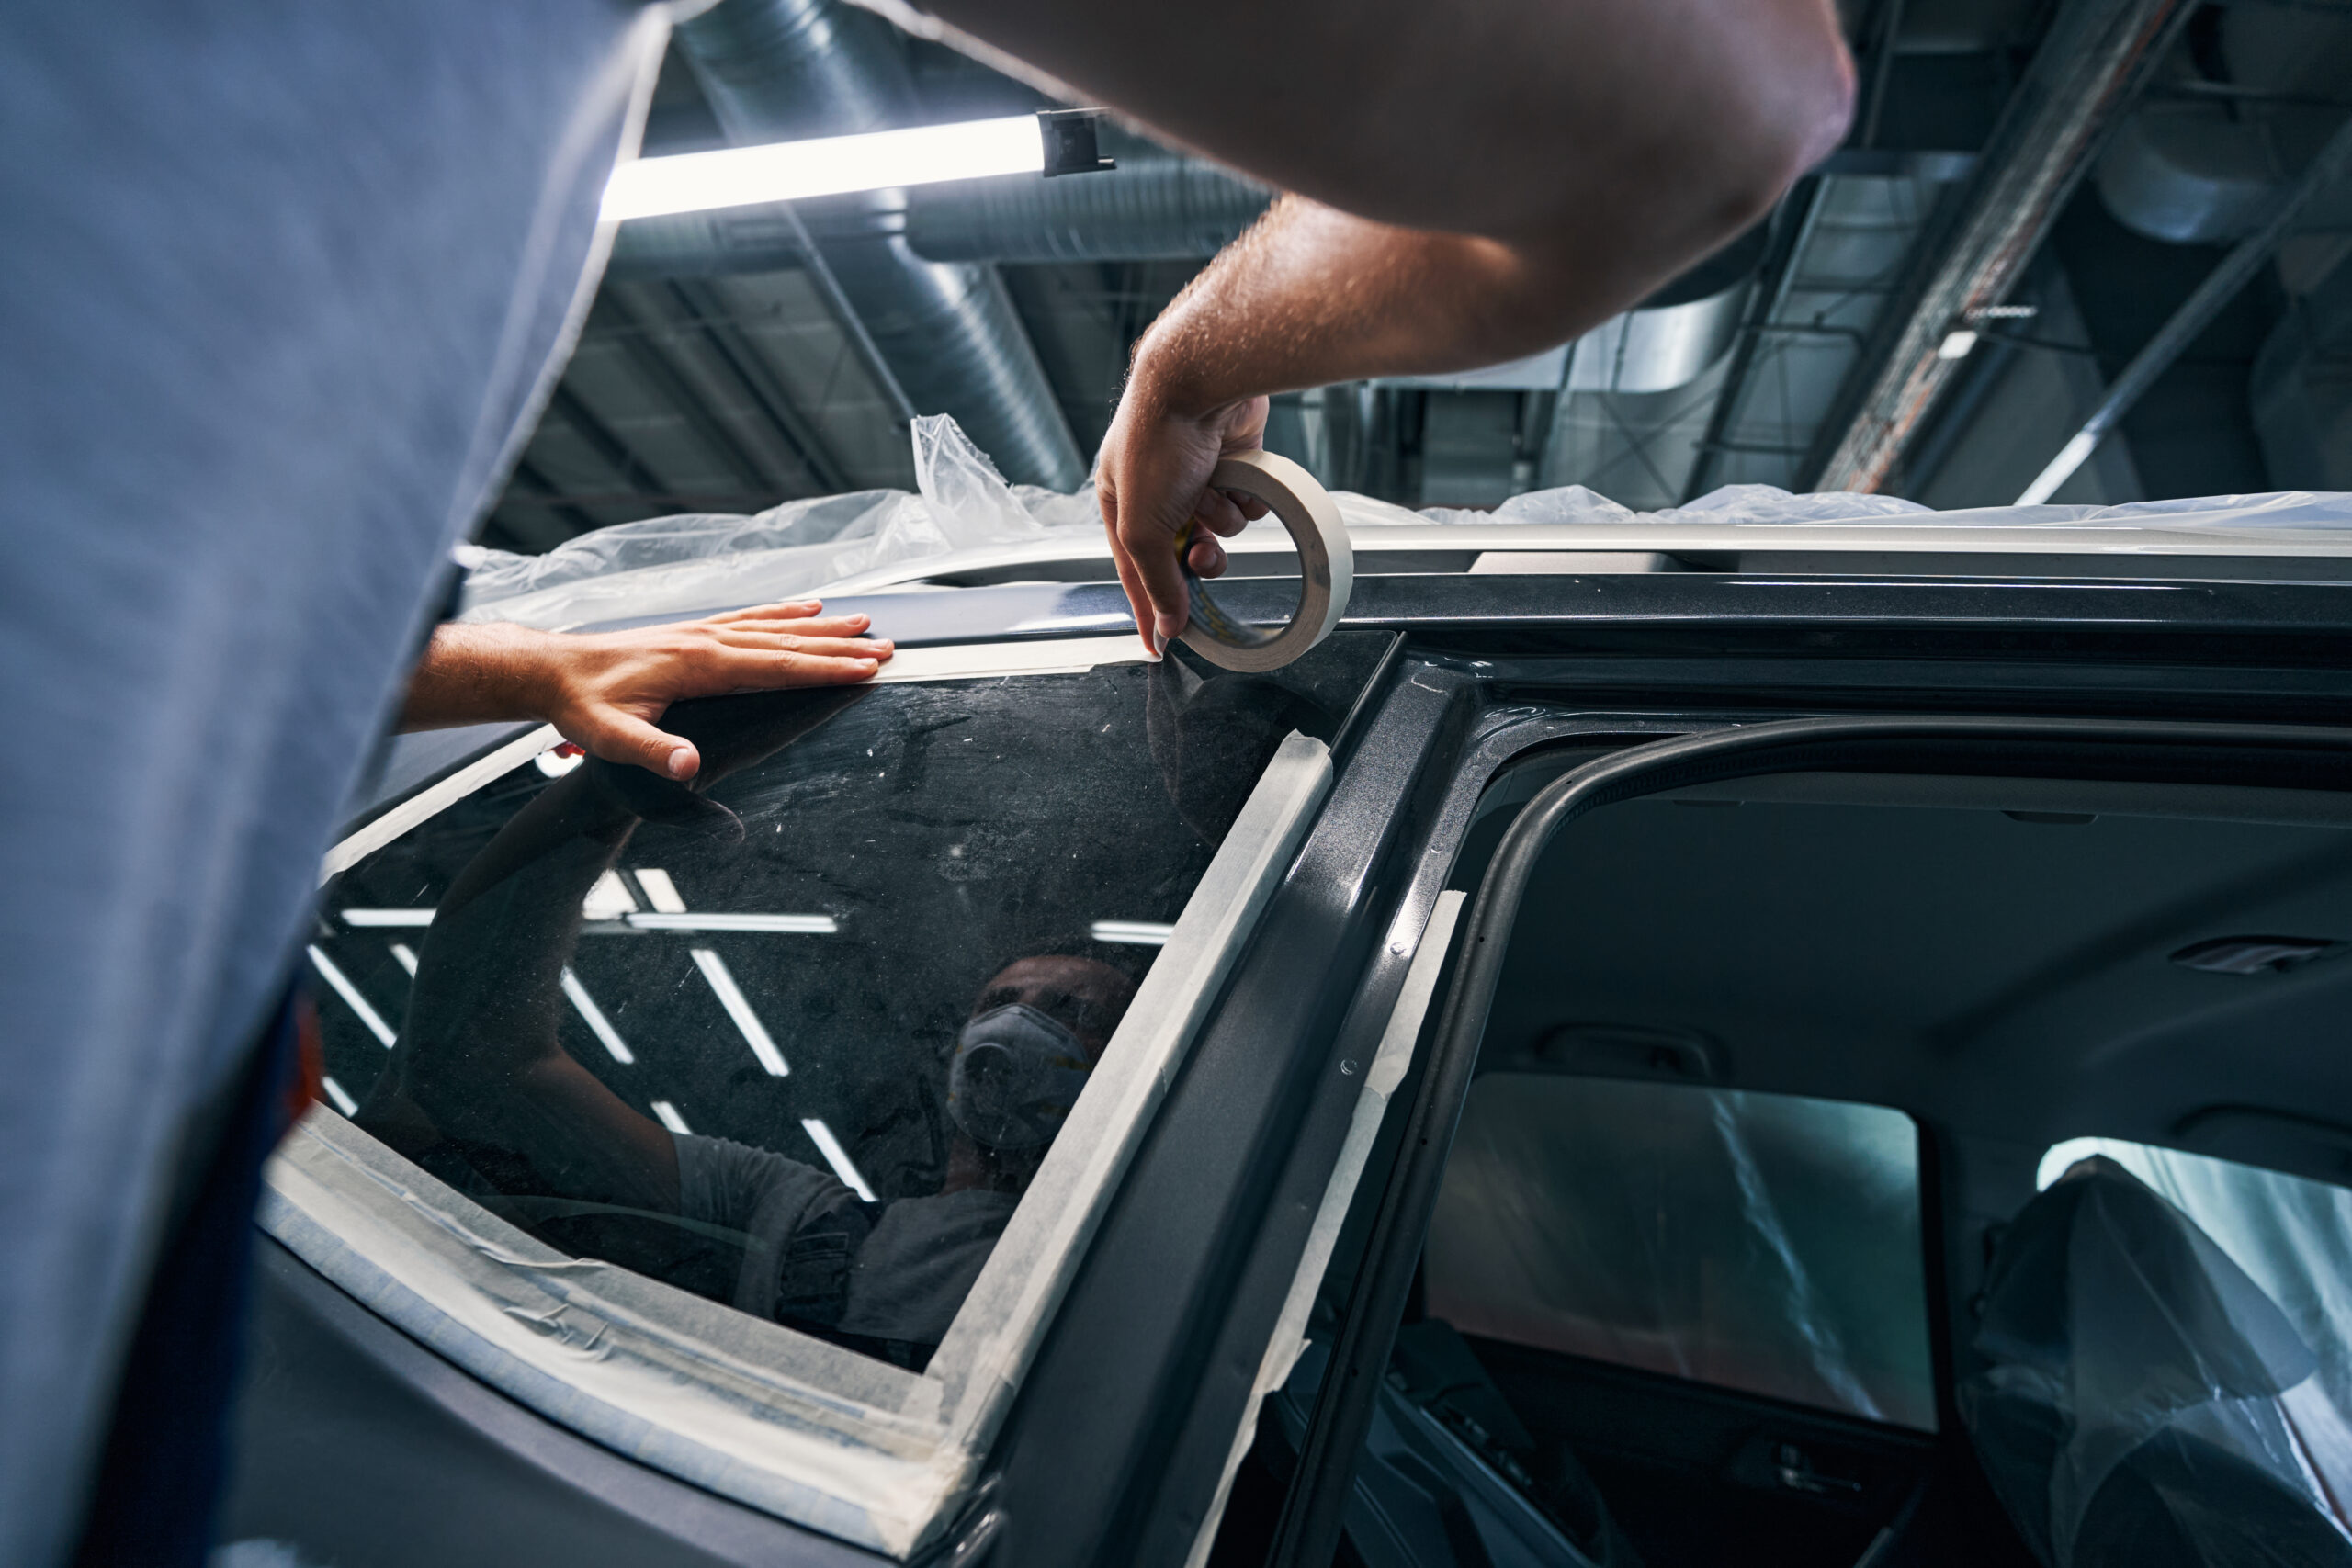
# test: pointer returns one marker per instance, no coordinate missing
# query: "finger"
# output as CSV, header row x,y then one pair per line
x,y
1153,552
769,644
1251,507
1138,602
619,735
1218,513
804,625
1207,557
741,633
747,669
782,610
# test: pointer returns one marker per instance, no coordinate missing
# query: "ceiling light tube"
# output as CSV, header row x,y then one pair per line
x,y
350,994
1133,933
660,891
388,917
832,165
668,1115
598,1024
739,1008
836,1157
2062,468
798,925
405,956
340,1096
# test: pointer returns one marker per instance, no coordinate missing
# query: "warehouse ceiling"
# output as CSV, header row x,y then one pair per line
x,y
2057,178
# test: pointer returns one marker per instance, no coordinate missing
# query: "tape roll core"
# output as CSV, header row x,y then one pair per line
x,y
1326,565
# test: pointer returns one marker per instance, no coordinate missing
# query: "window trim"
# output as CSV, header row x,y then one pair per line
x,y
775,1418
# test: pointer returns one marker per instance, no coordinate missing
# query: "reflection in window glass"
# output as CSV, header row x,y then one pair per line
x,y
1761,1242
795,1039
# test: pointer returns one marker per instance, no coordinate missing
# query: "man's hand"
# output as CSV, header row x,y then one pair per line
x,y
1154,480
605,691
1470,182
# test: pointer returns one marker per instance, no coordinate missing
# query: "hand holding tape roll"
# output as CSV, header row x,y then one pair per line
x,y
1326,562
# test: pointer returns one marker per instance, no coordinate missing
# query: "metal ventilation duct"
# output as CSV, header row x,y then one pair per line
x,y
1156,206
777,70
2202,160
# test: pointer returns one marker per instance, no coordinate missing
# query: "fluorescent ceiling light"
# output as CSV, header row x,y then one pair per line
x,y
660,891
2062,468
1133,933
836,1157
609,899
388,917
739,1008
598,1024
832,166
405,956
671,1118
350,994
801,925
343,1100
1957,345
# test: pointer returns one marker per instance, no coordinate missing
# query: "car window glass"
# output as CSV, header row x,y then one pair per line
x,y
795,1038
1761,1242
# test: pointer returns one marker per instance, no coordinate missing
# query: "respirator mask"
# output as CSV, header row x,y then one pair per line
x,y
1015,1075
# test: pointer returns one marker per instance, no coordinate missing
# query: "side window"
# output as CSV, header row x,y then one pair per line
x,y
795,1040
1760,1242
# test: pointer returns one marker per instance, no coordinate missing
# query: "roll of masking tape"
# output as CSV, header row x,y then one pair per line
x,y
1327,564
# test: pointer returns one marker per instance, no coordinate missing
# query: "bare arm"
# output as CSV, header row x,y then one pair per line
x,y
607,691
1476,180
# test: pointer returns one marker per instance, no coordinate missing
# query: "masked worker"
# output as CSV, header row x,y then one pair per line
x,y
285,290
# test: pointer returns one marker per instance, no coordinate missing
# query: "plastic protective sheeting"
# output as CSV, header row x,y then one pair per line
x,y
2144,1401
692,562
1756,1241
2301,512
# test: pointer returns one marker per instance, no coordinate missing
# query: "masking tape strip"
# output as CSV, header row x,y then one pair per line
x,y
1326,565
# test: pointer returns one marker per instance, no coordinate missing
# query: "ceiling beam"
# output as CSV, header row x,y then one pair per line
x,y
2090,67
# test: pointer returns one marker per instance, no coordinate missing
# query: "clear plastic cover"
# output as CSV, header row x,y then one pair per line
x,y
697,560
1757,1241
2143,1400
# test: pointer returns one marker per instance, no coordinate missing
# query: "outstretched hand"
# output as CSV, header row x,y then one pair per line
x,y
1154,482
606,692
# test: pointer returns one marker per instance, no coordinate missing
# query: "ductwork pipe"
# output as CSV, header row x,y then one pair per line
x,y
781,70
1156,206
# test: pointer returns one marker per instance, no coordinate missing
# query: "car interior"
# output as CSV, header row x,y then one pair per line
x,y
1757,1245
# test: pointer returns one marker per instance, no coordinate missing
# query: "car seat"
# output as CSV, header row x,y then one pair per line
x,y
2129,1411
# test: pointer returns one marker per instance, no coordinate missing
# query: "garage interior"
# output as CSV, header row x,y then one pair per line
x,y
2058,185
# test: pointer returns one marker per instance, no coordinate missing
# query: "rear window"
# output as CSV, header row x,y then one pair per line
x,y
1765,1243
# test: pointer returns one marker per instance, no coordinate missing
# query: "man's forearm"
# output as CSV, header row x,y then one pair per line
x,y
1313,296
478,674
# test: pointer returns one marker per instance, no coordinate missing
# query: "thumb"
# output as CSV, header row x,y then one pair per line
x,y
619,735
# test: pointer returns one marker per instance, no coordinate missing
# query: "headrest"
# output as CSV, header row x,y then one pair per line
x,y
2103,1281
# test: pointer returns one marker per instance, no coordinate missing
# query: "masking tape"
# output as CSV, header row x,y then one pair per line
x,y
1327,568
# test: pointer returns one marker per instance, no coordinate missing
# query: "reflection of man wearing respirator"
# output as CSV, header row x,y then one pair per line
x,y
888,1277
481,1092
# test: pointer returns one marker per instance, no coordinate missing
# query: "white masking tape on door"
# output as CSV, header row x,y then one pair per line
x,y
1326,561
